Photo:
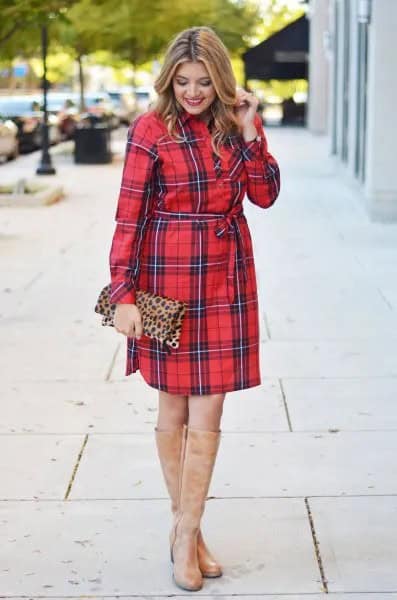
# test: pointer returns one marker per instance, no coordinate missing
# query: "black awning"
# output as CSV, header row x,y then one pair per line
x,y
284,55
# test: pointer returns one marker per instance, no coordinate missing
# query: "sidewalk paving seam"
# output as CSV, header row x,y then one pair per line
x,y
213,596
314,432
165,498
76,466
112,362
33,280
267,326
385,300
316,543
284,397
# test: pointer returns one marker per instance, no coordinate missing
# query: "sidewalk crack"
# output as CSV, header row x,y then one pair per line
x,y
266,324
32,281
112,362
280,382
76,466
316,547
385,300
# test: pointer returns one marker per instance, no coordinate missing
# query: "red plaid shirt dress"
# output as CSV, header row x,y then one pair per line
x,y
181,232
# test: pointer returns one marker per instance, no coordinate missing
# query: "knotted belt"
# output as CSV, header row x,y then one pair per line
x,y
226,223
229,223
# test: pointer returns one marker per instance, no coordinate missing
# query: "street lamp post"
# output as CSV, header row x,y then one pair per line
x,y
45,167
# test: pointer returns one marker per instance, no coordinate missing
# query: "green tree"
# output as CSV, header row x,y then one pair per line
x,y
20,29
19,15
81,33
139,32
131,31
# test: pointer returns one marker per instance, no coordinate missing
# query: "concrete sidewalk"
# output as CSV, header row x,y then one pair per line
x,y
304,494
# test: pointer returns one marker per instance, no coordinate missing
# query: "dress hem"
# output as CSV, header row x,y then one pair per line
x,y
189,392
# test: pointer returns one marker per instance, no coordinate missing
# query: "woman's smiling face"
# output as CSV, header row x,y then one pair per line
x,y
193,87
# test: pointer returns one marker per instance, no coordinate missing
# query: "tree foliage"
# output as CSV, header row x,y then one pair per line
x,y
275,15
18,16
131,29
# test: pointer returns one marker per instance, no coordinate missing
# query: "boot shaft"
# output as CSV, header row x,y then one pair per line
x,y
170,445
201,448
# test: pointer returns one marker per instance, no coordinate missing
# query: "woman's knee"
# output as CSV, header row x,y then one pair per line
x,y
173,409
206,411
208,402
172,399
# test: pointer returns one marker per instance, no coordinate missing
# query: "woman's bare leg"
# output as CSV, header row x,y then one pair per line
x,y
173,411
205,412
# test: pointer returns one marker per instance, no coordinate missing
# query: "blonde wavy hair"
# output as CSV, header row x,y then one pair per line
x,y
193,45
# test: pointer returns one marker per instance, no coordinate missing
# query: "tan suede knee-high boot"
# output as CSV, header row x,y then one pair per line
x,y
199,460
170,448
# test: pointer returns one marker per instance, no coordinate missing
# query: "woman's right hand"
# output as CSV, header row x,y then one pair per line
x,y
127,320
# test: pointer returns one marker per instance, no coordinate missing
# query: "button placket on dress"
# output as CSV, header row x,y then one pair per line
x,y
228,222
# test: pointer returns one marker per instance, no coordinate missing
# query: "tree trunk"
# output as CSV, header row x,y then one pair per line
x,y
81,83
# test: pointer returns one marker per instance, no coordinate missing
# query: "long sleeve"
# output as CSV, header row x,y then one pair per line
x,y
134,203
263,185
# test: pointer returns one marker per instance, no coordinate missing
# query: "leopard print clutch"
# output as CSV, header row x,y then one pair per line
x,y
162,317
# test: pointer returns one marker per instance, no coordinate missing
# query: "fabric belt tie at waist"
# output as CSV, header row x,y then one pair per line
x,y
226,222
229,224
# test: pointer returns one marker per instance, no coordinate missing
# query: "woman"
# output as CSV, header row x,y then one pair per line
x,y
189,162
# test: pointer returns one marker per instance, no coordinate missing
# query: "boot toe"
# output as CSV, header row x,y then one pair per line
x,y
210,572
191,585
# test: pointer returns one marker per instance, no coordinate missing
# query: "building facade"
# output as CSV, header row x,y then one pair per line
x,y
353,90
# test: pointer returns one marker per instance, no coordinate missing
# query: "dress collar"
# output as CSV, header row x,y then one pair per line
x,y
184,116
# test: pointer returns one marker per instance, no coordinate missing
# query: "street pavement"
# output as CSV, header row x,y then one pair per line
x,y
303,500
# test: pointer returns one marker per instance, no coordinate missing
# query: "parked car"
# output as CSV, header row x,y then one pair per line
x,y
124,105
8,139
144,96
64,105
100,104
25,112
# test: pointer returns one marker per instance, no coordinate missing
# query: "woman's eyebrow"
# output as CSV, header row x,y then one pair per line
x,y
183,77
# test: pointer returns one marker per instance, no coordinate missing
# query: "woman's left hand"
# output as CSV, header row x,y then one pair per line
x,y
245,108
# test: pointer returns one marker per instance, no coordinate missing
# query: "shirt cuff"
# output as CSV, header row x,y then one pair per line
x,y
253,149
122,294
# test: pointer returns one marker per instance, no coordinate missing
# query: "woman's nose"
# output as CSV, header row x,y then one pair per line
x,y
192,90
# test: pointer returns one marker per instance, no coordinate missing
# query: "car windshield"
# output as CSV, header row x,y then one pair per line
x,y
96,99
16,107
60,102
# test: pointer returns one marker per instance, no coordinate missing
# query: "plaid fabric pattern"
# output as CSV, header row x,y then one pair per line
x,y
181,232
